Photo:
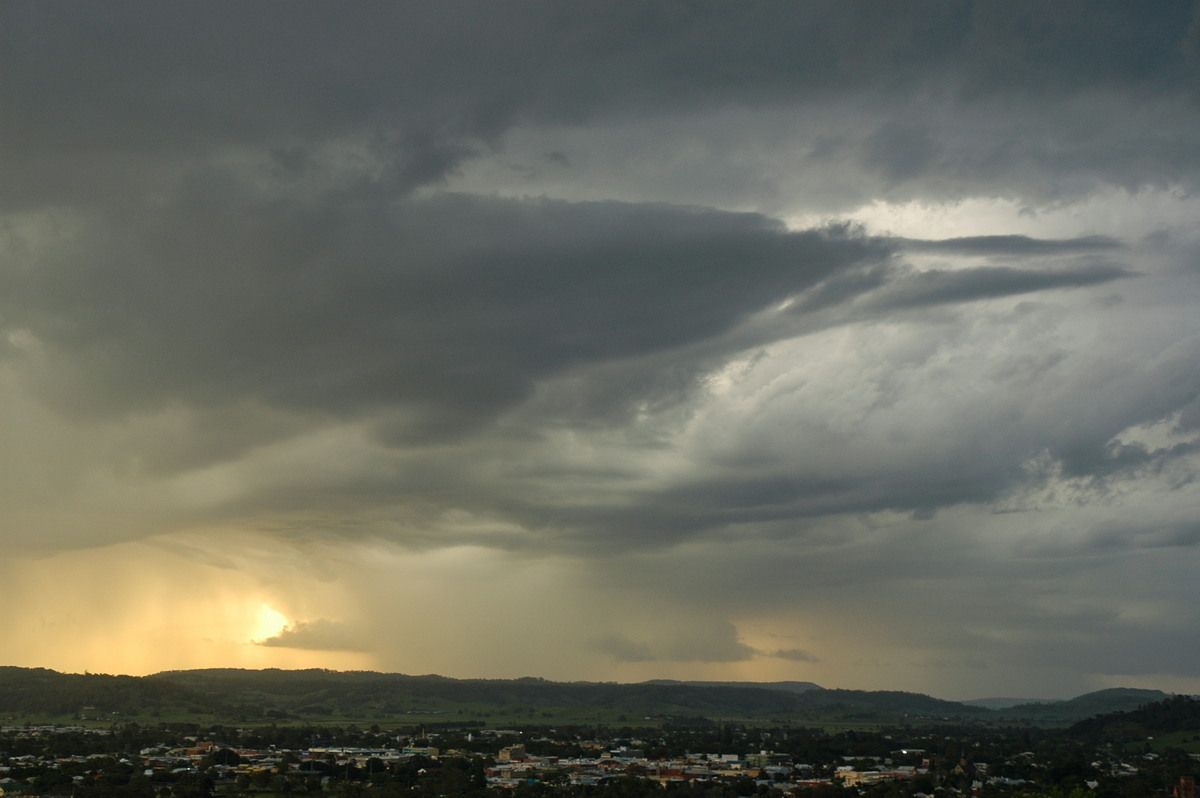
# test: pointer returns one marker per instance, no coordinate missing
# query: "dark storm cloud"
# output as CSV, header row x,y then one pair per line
x,y
736,501
235,182
1111,537
447,308
356,61
328,272
1055,630
117,95
935,287
1085,445
1129,459
901,152
886,287
844,287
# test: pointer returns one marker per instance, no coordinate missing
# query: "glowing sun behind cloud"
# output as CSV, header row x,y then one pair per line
x,y
171,602
271,623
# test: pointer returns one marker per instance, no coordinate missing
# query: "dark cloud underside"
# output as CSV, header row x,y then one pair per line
x,y
679,327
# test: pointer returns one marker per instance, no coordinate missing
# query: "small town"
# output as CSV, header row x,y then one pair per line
x,y
181,761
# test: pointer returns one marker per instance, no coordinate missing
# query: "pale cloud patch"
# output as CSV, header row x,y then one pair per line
x,y
792,655
320,634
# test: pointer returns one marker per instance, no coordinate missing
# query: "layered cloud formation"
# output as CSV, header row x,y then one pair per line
x,y
847,342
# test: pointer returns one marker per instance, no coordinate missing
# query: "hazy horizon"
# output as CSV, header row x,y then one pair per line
x,y
980,699
845,342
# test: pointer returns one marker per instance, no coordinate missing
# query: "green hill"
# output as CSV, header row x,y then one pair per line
x,y
47,693
1117,699
1169,716
282,696
791,687
317,692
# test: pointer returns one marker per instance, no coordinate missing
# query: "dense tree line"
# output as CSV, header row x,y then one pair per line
x,y
1178,713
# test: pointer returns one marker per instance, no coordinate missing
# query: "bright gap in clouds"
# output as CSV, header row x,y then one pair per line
x,y
1115,213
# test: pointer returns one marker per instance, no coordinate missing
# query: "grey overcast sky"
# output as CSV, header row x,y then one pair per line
x,y
851,342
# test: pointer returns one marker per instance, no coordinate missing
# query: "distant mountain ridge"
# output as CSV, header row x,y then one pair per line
x,y
792,687
1178,713
235,695
1005,703
1115,699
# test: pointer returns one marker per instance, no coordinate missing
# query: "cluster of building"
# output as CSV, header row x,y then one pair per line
x,y
512,766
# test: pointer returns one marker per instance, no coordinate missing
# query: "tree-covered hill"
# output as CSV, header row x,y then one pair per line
x,y
39,691
260,696
1117,699
791,687
326,692
1175,714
